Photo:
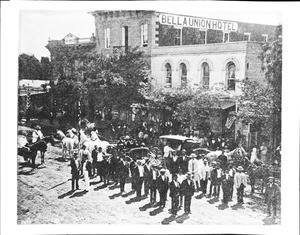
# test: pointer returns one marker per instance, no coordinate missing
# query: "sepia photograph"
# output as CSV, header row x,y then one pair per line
x,y
149,116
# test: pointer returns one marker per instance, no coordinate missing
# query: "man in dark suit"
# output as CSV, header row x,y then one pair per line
x,y
132,167
188,187
174,194
174,163
139,174
104,170
216,179
272,196
153,184
184,161
147,176
226,186
123,174
163,186
94,163
75,171
223,160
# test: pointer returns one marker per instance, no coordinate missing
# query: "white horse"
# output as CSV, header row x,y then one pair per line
x,y
67,144
90,144
74,137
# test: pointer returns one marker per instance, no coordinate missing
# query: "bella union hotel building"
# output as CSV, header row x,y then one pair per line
x,y
186,51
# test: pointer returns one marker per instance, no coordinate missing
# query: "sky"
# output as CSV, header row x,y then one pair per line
x,y
37,26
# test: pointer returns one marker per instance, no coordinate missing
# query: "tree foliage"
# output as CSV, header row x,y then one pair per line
x,y
46,67
29,67
100,82
259,103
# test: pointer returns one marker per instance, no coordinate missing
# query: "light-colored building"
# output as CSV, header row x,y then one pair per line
x,y
187,51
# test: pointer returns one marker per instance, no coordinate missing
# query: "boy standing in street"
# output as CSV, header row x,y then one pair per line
x,y
272,195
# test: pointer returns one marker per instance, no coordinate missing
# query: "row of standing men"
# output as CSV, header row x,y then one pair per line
x,y
193,175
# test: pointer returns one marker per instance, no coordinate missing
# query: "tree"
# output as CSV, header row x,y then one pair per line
x,y
29,67
260,102
46,67
272,66
102,83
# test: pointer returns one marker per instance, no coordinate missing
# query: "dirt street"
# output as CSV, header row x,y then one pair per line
x,y
44,197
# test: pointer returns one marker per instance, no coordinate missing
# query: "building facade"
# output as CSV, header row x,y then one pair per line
x,y
186,51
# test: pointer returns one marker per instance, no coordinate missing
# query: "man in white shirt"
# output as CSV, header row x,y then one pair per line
x,y
167,150
197,175
180,178
240,182
139,178
204,174
22,141
37,134
94,134
193,165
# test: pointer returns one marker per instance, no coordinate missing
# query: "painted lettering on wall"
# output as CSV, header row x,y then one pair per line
x,y
197,22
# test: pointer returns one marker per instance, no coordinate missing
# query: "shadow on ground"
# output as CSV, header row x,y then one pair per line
x,y
115,195
79,194
180,219
168,220
66,194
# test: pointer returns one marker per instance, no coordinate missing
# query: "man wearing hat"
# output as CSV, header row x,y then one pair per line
x,y
75,171
37,134
223,160
162,186
231,172
123,173
240,182
211,178
174,163
139,174
188,188
272,196
153,183
226,179
174,194
204,172
184,161
216,179
147,175
193,166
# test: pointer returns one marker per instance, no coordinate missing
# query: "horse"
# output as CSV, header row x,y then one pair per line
x,y
67,144
29,151
261,172
87,125
74,137
90,144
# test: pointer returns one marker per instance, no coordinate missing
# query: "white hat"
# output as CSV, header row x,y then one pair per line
x,y
193,155
240,168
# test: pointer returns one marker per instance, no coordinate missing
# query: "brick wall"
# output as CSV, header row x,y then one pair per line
x,y
253,62
115,20
191,36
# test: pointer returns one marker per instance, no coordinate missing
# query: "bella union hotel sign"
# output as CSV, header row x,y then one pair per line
x,y
179,21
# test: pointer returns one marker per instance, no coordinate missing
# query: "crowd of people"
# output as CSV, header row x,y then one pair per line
x,y
174,174
175,171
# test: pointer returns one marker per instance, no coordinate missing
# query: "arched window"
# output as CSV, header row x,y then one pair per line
x,y
230,75
205,75
144,34
168,75
183,74
107,38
